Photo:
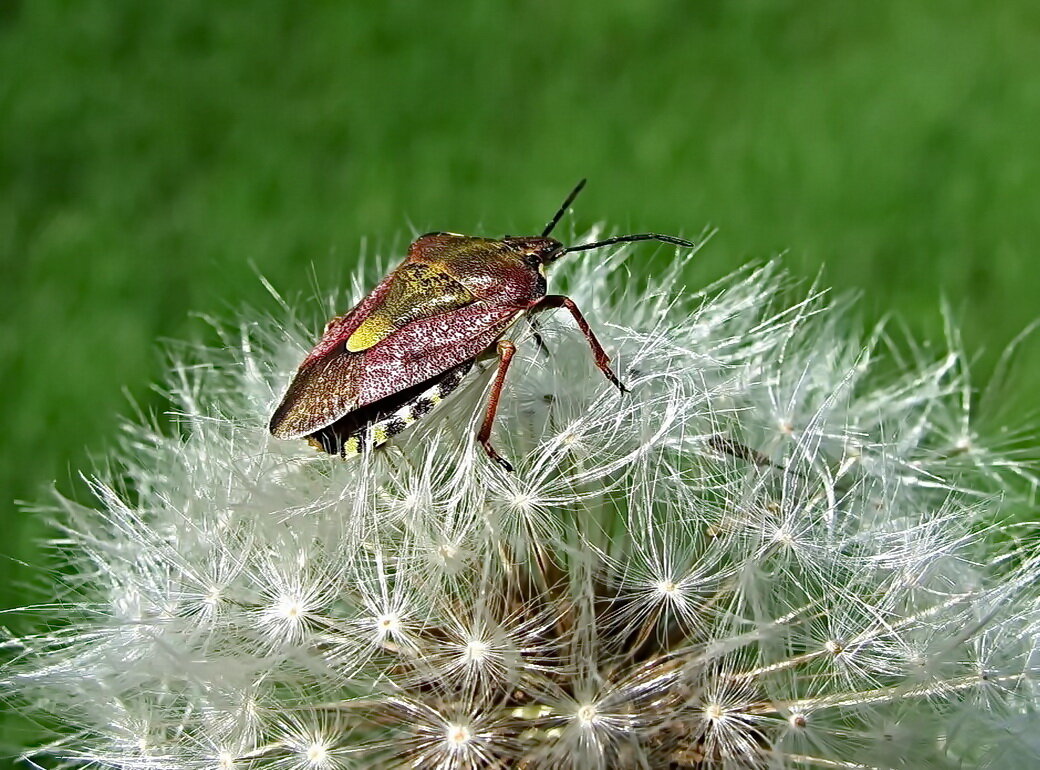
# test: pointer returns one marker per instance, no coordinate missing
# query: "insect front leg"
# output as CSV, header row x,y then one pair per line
x,y
602,359
506,350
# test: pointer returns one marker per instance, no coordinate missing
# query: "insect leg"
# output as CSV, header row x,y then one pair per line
x,y
725,445
506,350
538,340
721,443
602,359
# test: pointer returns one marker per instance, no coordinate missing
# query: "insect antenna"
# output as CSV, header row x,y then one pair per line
x,y
563,209
629,238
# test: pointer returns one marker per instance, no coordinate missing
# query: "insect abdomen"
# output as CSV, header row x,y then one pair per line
x,y
371,426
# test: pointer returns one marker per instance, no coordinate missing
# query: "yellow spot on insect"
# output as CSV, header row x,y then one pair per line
x,y
380,434
373,329
352,446
435,398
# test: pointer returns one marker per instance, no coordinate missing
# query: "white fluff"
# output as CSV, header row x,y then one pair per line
x,y
642,592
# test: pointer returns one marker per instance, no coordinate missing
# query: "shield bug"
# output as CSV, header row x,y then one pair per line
x,y
409,343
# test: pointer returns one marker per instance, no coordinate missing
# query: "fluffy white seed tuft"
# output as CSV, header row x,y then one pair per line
x,y
788,546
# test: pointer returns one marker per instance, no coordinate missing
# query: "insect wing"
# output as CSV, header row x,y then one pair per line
x,y
320,393
417,291
373,424
324,389
418,323
330,386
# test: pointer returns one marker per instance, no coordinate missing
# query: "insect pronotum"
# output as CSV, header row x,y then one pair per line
x,y
408,344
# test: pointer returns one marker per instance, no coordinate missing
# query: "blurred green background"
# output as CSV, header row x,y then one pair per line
x,y
149,152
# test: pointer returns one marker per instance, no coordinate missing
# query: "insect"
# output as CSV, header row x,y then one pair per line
x,y
409,344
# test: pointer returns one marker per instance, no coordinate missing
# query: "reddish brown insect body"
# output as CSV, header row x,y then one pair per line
x,y
411,341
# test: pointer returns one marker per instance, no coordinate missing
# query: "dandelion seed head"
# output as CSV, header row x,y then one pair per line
x,y
568,438
522,502
285,618
668,588
772,552
288,607
457,736
388,624
316,754
476,651
586,714
783,536
714,712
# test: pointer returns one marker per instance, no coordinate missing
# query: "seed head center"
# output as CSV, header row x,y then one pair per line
x,y
457,735
586,714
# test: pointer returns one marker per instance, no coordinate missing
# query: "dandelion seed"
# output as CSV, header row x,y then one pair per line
x,y
387,625
457,736
522,502
317,754
476,651
714,712
285,619
667,587
586,714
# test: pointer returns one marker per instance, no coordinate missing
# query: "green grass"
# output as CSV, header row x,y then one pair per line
x,y
149,153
